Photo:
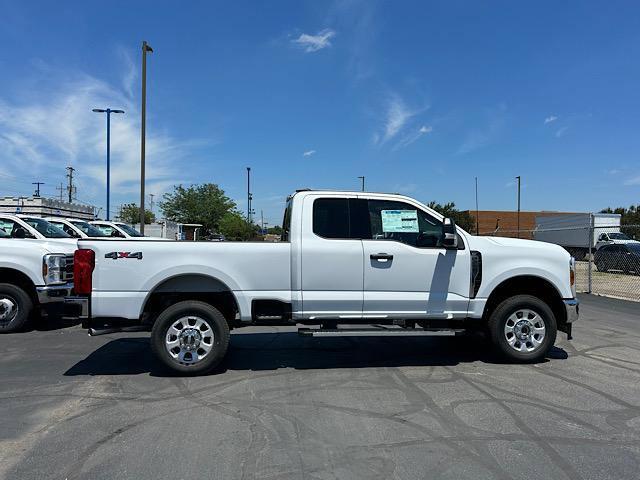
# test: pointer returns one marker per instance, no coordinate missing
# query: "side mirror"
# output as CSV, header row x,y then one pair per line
x,y
449,234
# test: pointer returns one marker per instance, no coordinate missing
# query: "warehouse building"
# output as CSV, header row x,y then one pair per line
x,y
503,223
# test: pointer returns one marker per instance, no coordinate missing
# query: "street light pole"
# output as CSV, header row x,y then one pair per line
x,y
518,178
249,194
145,48
477,211
362,178
108,111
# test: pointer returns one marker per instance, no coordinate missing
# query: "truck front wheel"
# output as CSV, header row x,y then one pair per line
x,y
190,337
15,308
523,328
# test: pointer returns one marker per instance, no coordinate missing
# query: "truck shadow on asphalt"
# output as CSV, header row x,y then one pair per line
x,y
272,351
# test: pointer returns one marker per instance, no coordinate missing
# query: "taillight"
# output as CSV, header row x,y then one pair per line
x,y
84,260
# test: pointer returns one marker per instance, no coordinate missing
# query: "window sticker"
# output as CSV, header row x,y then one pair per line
x,y
399,221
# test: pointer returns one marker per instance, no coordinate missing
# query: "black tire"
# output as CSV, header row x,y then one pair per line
x,y
601,268
205,312
498,320
14,299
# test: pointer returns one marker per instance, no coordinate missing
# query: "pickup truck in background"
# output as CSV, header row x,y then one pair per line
x,y
384,263
34,273
76,228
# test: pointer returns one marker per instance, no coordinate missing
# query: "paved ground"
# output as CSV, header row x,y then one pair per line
x,y
288,407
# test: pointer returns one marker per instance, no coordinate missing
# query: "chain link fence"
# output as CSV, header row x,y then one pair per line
x,y
607,258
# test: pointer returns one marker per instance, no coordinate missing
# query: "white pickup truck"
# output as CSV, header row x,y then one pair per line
x,y
33,273
346,258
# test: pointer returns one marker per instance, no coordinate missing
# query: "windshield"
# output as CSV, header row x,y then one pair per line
x,y
129,230
88,229
45,228
4,234
618,236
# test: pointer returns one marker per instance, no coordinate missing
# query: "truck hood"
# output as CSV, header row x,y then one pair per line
x,y
520,243
60,245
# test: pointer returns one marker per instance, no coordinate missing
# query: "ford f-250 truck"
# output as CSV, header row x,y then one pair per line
x,y
34,273
381,260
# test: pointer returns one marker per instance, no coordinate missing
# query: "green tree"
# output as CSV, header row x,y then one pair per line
x,y
235,227
629,220
206,204
130,213
275,230
463,219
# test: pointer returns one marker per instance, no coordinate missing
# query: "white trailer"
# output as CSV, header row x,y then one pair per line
x,y
574,232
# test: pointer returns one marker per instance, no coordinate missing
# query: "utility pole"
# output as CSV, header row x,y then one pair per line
x,y
249,194
362,178
518,178
477,211
61,189
261,222
37,184
70,187
145,48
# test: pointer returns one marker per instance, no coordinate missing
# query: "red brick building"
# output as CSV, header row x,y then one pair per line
x,y
505,223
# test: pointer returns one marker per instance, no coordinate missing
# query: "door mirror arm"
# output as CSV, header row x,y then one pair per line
x,y
449,234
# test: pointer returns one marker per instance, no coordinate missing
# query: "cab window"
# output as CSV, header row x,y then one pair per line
x,y
405,223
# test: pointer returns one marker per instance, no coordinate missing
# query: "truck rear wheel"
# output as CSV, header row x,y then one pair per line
x,y
523,328
190,337
15,308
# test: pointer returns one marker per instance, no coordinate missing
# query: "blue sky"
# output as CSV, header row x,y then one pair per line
x,y
419,97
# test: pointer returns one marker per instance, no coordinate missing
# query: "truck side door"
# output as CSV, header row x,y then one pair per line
x,y
332,259
407,272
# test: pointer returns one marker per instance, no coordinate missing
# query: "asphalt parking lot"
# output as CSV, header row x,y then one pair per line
x,y
284,407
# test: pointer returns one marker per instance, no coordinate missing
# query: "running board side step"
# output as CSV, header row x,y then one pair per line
x,y
94,332
381,332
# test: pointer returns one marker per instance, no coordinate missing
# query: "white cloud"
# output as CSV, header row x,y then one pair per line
x,y
550,118
411,137
313,43
633,181
482,136
308,153
57,128
562,131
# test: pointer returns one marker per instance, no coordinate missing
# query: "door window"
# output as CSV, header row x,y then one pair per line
x,y
402,222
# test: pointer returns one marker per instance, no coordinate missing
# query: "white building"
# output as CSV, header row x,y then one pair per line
x,y
46,207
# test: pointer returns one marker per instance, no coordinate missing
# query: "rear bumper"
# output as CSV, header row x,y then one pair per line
x,y
572,307
54,293
81,304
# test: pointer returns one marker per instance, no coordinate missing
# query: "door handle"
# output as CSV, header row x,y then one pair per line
x,y
382,257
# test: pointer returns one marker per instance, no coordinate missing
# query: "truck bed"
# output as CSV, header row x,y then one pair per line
x,y
123,280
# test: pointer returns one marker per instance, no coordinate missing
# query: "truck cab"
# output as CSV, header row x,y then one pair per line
x,y
346,258
76,228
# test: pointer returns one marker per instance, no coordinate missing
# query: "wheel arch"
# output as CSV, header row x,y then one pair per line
x,y
190,286
527,285
19,279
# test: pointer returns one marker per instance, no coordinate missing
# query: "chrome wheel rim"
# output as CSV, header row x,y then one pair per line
x,y
189,340
8,309
525,330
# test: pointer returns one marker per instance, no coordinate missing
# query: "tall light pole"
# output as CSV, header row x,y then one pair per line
x,y
518,178
145,48
249,194
362,178
108,111
477,211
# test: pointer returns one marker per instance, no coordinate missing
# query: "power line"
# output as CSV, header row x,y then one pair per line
x,y
61,189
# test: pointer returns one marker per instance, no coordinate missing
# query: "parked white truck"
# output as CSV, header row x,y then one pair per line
x,y
34,273
576,232
346,258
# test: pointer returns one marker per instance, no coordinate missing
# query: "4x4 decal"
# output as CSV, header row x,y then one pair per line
x,y
117,255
